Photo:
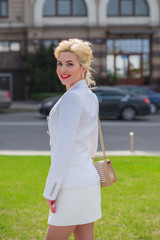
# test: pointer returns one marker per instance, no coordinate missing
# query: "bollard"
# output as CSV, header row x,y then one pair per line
x,y
131,134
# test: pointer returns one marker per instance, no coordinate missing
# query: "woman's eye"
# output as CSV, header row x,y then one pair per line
x,y
70,64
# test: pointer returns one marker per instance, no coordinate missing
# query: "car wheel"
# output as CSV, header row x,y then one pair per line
x,y
153,108
128,113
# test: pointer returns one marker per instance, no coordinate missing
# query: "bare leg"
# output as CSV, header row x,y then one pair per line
x,y
84,232
59,233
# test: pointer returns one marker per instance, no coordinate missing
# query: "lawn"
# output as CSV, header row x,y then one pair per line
x,y
131,207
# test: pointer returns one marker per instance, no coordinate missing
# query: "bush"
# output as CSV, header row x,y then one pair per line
x,y
43,95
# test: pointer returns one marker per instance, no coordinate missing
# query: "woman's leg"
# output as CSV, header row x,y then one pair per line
x,y
84,232
59,233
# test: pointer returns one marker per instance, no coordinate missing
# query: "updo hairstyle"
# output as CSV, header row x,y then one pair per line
x,y
83,52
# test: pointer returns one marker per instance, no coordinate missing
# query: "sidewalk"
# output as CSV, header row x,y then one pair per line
x,y
109,153
26,105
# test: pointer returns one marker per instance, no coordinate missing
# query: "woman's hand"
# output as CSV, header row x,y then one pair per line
x,y
51,204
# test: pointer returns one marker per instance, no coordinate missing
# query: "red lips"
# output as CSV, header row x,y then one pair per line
x,y
65,76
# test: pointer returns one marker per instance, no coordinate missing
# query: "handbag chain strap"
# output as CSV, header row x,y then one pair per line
x,y
101,139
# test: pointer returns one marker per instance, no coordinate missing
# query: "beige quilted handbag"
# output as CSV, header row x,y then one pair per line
x,y
104,167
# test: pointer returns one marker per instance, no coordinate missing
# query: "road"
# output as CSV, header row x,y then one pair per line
x,y
28,131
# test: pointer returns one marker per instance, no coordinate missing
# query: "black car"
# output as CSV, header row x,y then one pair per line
x,y
46,105
114,102
153,96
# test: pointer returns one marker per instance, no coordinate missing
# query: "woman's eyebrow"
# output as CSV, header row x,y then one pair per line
x,y
69,61
66,61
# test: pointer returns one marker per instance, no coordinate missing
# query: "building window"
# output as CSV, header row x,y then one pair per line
x,y
48,43
14,46
128,59
127,8
64,8
3,8
6,46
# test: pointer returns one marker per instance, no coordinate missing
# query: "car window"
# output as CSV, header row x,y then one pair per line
x,y
128,92
111,93
150,91
98,93
138,91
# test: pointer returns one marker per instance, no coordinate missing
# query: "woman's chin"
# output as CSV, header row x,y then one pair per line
x,y
64,82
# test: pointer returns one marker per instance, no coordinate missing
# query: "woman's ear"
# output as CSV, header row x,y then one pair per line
x,y
83,72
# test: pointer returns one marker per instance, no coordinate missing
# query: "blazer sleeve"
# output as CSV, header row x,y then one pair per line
x,y
93,136
68,124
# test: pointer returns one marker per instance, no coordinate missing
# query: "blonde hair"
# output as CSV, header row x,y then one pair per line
x,y
83,52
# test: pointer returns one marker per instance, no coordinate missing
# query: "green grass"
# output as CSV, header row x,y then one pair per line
x,y
131,207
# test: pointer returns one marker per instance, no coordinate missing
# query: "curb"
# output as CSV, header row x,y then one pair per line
x,y
109,153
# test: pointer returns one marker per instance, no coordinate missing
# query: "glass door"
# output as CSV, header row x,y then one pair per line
x,y
135,66
129,67
121,66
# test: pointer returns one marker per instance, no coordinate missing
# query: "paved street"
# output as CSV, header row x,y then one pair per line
x,y
147,134
27,131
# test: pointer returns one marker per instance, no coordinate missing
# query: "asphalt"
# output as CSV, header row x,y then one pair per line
x,y
30,105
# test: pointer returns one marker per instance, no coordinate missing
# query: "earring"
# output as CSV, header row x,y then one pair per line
x,y
82,75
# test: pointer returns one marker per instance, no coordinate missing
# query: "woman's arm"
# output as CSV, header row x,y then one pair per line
x,y
93,136
93,141
69,120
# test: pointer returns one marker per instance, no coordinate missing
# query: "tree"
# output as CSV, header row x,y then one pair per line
x,y
41,71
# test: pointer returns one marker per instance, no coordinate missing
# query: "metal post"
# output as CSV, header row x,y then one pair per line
x,y
131,134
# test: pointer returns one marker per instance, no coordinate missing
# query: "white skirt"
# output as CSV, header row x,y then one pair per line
x,y
75,206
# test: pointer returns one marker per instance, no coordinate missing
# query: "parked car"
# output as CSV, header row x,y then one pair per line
x,y
46,105
5,99
114,102
153,96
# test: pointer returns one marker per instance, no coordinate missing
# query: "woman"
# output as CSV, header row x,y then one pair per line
x,y
72,188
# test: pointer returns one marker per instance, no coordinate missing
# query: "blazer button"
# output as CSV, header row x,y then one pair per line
x,y
53,189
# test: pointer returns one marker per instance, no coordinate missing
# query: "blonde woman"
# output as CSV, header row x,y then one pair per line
x,y
72,188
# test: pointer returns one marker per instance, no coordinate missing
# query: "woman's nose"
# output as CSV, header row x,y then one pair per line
x,y
63,69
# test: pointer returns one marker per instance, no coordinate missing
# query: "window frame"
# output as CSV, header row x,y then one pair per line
x,y
65,15
1,17
143,52
128,15
9,45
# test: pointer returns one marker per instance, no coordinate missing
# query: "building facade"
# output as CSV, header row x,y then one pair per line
x,y
125,36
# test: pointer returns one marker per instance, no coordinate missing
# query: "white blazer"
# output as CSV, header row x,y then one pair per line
x,y
73,130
